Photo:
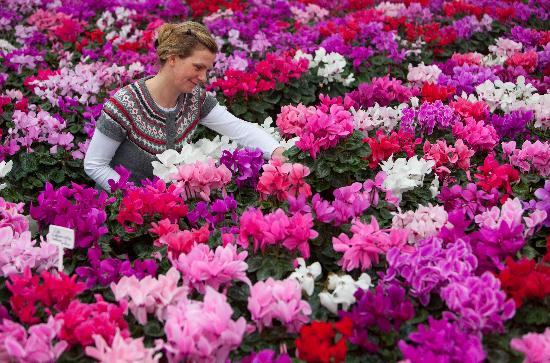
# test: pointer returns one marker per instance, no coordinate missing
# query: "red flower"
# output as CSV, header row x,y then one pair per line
x,y
434,92
478,110
324,342
383,146
44,290
524,279
527,60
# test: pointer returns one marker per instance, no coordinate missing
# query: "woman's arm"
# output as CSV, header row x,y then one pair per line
x,y
244,133
98,156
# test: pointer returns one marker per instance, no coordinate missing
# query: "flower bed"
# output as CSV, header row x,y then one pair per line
x,y
409,223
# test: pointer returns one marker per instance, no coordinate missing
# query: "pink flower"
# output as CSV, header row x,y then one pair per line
x,y
277,228
536,155
292,119
122,350
280,300
35,345
476,134
324,129
150,295
202,267
201,177
536,347
283,179
202,331
367,243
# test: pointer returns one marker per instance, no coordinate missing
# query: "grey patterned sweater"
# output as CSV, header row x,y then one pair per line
x,y
133,118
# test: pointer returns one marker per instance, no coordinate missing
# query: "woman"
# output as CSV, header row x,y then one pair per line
x,y
161,112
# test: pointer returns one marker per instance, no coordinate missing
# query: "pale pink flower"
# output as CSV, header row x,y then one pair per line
x,y
278,300
202,331
123,350
202,267
536,347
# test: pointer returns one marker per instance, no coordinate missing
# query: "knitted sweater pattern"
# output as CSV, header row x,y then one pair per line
x,y
133,118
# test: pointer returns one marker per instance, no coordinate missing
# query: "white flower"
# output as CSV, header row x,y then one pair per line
x,y
506,96
203,150
434,187
423,73
306,276
404,175
5,168
330,66
376,117
391,9
6,46
343,289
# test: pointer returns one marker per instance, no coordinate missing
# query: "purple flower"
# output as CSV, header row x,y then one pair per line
x,y
104,272
78,207
478,304
245,164
512,124
470,199
386,308
266,356
543,203
432,266
442,341
492,246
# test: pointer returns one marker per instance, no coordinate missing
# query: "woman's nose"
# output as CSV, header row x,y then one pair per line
x,y
202,76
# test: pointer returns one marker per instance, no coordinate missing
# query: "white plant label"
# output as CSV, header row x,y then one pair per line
x,y
62,237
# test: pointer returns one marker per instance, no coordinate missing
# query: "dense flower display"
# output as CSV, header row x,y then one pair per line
x,y
407,220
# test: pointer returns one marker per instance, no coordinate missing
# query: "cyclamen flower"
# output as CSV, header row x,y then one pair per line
x,y
306,275
524,280
469,199
535,154
478,304
202,267
78,207
376,117
386,308
283,180
384,146
123,350
512,124
382,91
244,164
476,134
448,156
317,341
150,295
431,266
475,109
342,291
367,243
277,228
200,178
82,321
153,198
493,175
178,241
543,202
536,347
35,345
324,129
266,356
292,119
278,300
423,73
202,330
403,175
442,340
424,222
47,291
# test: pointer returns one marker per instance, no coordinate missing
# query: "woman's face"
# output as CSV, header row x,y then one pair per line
x,y
186,73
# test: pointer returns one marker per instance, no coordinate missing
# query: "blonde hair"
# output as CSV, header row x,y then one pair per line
x,y
182,39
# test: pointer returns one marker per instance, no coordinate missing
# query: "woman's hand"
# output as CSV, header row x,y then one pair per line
x,y
278,153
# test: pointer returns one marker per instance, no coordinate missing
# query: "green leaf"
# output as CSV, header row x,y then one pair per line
x,y
154,329
238,109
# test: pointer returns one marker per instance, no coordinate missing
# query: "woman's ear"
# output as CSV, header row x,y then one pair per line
x,y
171,60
